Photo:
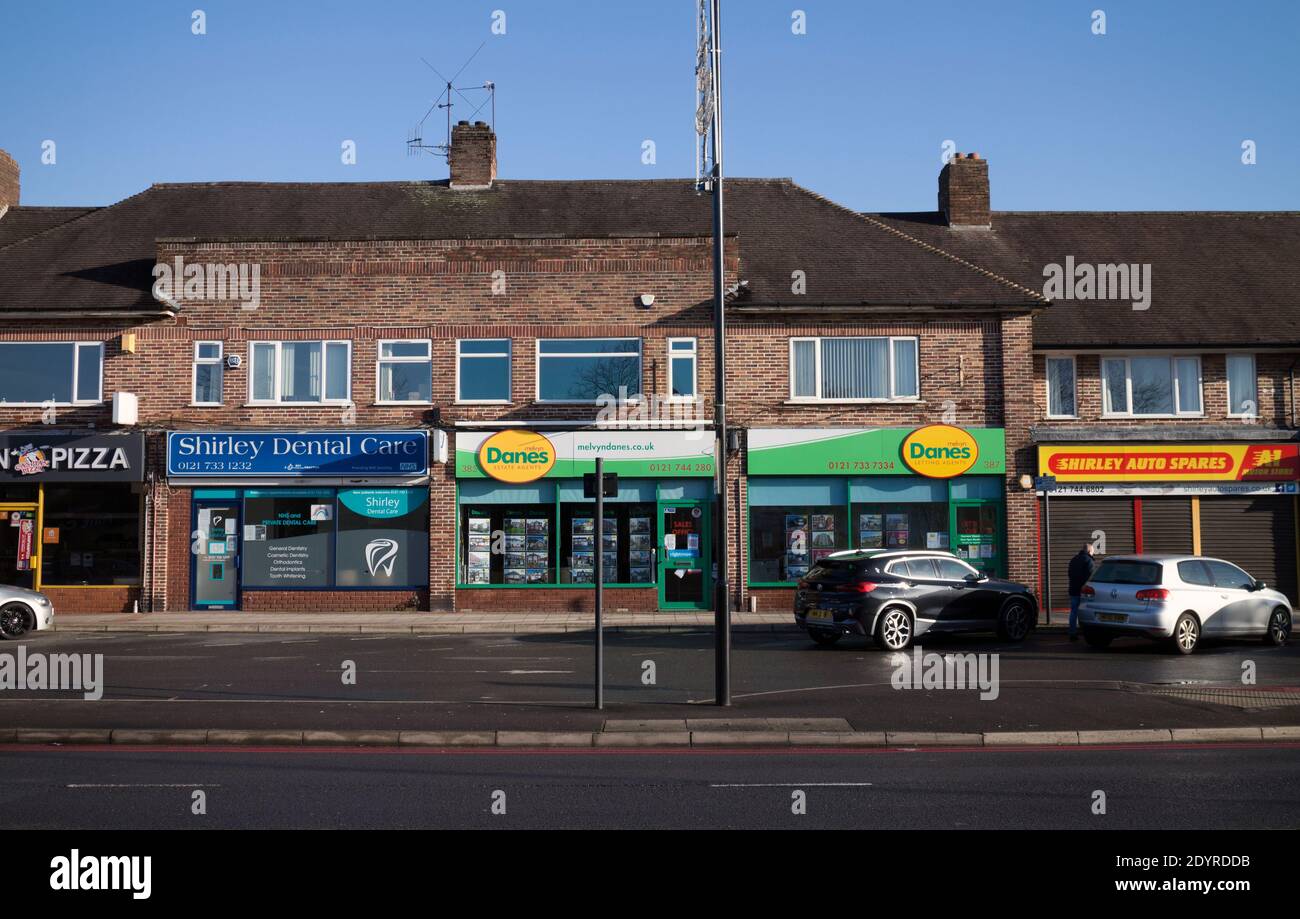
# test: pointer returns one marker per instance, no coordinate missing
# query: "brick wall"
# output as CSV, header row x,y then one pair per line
x,y
93,599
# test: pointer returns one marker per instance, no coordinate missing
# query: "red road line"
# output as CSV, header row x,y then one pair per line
x,y
637,751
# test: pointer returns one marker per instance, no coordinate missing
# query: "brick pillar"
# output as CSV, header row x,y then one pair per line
x,y
1017,415
442,534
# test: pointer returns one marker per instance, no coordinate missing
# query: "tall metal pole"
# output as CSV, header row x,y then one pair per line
x,y
600,581
722,598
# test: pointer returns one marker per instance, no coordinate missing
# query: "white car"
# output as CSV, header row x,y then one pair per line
x,y
23,611
1179,598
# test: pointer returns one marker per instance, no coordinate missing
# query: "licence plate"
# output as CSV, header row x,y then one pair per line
x,y
820,615
1112,617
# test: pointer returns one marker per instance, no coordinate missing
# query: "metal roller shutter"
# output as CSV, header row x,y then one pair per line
x,y
1256,533
1167,525
1074,521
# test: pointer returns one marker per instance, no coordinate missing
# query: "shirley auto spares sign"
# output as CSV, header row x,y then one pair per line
x,y
515,455
1125,462
38,456
297,454
934,451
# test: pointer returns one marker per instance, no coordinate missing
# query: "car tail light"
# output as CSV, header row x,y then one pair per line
x,y
860,587
1155,593
1088,591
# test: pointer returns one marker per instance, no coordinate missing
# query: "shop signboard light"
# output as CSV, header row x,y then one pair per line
x,y
940,451
516,456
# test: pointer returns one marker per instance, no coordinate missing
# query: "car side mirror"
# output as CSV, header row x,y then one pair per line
x,y
1259,585
976,578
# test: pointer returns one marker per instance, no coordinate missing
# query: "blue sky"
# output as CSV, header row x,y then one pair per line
x,y
1150,115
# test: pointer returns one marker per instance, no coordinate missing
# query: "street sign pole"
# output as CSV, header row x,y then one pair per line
x,y
599,549
722,598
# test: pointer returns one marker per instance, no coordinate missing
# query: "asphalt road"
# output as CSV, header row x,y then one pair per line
x,y
543,682
1204,788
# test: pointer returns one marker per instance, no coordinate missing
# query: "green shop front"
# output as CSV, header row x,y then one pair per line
x,y
525,524
814,491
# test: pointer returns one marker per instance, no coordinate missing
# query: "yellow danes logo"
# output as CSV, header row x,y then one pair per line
x,y
940,451
516,456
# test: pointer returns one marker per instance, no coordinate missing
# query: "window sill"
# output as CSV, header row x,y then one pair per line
x,y
815,402
206,404
482,402
1060,417
1197,417
402,404
299,405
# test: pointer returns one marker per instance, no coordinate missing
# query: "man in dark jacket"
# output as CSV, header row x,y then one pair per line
x,y
1080,571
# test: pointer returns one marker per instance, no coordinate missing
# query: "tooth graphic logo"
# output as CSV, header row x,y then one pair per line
x,y
380,555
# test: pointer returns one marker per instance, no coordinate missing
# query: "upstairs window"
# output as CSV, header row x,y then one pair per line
x,y
681,368
1060,388
1151,386
854,369
297,372
207,373
1243,394
58,373
404,372
483,370
584,369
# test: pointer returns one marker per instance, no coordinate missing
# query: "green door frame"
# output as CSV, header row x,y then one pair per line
x,y
665,565
998,564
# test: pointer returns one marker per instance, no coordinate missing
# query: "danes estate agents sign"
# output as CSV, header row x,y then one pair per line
x,y
524,456
275,453
934,451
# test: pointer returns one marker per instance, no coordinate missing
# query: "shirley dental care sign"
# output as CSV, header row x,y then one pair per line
x,y
297,454
40,456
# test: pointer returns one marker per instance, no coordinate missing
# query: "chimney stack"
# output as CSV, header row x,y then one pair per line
x,y
964,191
473,158
8,181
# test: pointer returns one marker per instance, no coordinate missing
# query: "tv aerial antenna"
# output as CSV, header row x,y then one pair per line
x,y
487,93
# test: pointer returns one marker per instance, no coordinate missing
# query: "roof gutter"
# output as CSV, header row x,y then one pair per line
x,y
84,314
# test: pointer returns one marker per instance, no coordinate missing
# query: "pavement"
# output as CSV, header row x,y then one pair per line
x,y
470,623
1207,787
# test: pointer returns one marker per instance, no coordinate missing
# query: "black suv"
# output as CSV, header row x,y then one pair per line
x,y
897,595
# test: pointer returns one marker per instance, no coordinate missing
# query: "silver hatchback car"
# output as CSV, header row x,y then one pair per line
x,y
1179,599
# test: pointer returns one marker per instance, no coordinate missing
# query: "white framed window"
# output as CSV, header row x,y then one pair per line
x,y
1243,386
483,371
581,370
1061,388
207,375
1153,386
403,371
682,374
300,372
872,369
37,374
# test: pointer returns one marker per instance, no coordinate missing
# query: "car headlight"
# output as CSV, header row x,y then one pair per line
x,y
42,600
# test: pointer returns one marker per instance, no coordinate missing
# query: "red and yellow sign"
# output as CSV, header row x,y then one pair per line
x,y
1171,463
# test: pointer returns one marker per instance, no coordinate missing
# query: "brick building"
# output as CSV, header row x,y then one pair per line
x,y
346,423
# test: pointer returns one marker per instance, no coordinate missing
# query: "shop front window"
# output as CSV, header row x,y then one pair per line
x,y
288,538
508,544
786,542
900,526
627,542
91,534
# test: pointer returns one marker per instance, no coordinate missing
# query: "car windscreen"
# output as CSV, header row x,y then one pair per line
x,y
1127,571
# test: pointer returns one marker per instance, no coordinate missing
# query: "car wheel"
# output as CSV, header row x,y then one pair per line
x,y
894,629
1187,634
1015,621
15,620
1097,639
824,638
1279,627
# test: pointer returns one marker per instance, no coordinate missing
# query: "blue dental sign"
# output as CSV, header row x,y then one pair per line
x,y
280,454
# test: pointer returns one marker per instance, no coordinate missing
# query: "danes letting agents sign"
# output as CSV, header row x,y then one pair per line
x,y
43,457
317,454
